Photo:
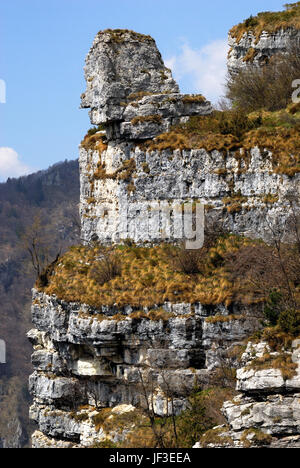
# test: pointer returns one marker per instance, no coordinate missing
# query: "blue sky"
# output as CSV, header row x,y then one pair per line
x,y
43,44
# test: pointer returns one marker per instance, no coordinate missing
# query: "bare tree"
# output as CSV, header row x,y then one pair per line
x,y
35,243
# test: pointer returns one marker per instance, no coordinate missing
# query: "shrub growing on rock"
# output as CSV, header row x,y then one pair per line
x,y
269,87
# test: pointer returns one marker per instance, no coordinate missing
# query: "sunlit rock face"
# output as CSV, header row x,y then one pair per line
x,y
252,52
115,208
91,367
119,64
267,411
130,90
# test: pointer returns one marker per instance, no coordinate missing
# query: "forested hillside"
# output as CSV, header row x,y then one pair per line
x,y
40,208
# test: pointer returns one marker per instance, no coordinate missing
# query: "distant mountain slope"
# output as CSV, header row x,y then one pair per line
x,y
52,196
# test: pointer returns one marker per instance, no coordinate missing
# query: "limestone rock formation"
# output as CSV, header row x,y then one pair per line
x,y
120,64
267,412
130,90
84,359
122,200
124,183
253,42
250,51
97,368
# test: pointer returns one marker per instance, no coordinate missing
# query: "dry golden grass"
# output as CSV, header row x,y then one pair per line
x,y
147,277
234,204
281,343
255,436
139,95
249,57
278,340
283,362
193,98
125,172
94,142
269,21
91,200
147,118
117,35
270,199
284,143
277,132
224,318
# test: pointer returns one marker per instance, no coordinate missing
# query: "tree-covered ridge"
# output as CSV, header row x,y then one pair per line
x,y
49,199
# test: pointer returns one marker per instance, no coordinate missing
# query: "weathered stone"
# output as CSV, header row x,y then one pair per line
x,y
276,414
130,90
267,412
134,208
251,379
120,64
89,360
263,48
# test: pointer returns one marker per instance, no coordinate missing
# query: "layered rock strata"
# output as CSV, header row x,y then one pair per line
x,y
251,51
267,411
96,369
87,359
129,197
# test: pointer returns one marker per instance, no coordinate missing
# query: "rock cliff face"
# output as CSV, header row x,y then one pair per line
x,y
85,362
115,207
251,51
253,42
97,368
267,412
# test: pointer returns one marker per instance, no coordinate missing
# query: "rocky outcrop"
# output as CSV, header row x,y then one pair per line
x,y
125,198
251,51
256,40
267,412
130,90
95,370
129,191
88,360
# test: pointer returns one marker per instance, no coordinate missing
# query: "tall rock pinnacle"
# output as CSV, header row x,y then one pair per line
x,y
128,81
120,64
